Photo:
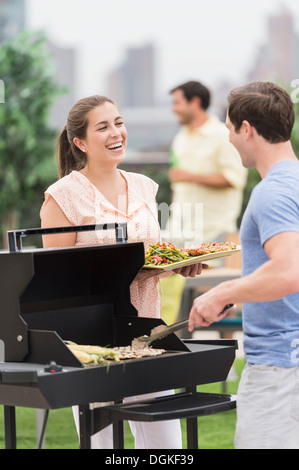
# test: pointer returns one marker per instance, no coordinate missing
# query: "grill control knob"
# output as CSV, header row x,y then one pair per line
x,y
53,367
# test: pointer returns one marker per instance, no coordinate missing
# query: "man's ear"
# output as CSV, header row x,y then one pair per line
x,y
247,129
196,101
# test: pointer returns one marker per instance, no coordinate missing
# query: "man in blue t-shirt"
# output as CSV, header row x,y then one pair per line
x,y
260,119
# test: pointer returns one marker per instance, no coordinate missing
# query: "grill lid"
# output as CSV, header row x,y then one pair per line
x,y
71,293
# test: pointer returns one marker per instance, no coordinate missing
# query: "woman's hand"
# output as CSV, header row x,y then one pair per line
x,y
192,270
187,271
145,274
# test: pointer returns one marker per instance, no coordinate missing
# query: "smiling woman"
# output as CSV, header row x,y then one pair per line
x,y
92,190
105,138
70,147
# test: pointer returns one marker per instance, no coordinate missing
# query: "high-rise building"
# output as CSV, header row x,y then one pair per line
x,y
12,18
65,60
277,59
12,22
132,84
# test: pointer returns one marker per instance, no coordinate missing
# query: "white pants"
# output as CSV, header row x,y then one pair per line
x,y
268,408
148,435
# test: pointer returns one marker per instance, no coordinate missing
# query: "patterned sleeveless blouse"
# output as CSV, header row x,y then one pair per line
x,y
83,203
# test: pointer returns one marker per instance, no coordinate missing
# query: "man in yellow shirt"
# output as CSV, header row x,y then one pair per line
x,y
207,180
207,175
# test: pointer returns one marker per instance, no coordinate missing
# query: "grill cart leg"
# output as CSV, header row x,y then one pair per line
x,y
87,426
192,433
84,426
118,435
118,431
10,427
192,427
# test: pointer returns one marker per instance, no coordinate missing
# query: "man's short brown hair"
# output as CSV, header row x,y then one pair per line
x,y
193,88
266,106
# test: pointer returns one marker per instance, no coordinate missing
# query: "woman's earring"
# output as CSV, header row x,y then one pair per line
x,y
83,150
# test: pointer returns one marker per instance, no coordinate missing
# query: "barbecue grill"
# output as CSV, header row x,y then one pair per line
x,y
82,294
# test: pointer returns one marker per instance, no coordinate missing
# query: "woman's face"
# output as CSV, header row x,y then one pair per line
x,y
106,135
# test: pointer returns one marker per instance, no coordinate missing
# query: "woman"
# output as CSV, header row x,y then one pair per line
x,y
91,190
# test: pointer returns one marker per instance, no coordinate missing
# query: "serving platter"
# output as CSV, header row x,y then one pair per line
x,y
193,260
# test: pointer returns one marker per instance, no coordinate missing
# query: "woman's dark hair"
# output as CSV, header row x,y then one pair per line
x,y
69,156
266,106
193,88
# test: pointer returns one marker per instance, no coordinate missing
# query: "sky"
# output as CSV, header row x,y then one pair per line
x,y
194,39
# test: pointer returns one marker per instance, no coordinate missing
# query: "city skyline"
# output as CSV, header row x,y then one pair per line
x,y
134,78
213,43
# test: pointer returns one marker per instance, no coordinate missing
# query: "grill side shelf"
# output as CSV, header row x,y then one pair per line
x,y
221,343
18,376
182,405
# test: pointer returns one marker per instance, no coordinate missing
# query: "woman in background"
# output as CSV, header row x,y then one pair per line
x,y
92,190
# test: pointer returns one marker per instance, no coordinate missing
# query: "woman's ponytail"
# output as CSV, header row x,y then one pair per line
x,y
69,157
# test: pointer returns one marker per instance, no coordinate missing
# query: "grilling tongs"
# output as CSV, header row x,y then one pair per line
x,y
161,331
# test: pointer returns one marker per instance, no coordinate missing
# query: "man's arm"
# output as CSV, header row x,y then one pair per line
x,y
177,175
274,280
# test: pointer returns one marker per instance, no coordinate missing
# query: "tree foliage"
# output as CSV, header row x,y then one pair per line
x,y
26,139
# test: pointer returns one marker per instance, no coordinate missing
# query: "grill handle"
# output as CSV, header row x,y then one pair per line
x,y
15,236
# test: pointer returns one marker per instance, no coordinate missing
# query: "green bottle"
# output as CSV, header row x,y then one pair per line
x,y
173,158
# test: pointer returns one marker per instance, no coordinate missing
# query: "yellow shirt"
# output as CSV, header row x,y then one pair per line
x,y
207,150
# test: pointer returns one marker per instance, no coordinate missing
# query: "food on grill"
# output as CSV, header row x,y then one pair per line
x,y
130,352
206,248
92,355
96,355
166,253
84,357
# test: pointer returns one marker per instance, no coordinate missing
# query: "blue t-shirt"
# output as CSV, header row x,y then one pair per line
x,y
271,329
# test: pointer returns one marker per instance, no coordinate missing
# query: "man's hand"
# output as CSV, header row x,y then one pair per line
x,y
276,278
178,175
206,309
